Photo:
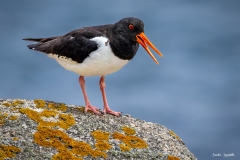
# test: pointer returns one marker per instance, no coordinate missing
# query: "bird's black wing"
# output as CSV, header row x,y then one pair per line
x,y
75,45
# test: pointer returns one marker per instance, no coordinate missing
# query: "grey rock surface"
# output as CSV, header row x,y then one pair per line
x,y
41,130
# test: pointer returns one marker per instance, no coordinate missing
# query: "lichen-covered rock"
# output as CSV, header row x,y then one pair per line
x,y
38,129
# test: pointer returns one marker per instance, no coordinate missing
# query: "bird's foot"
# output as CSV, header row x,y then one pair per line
x,y
93,109
109,111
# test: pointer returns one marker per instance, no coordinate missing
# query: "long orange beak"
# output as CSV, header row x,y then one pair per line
x,y
144,41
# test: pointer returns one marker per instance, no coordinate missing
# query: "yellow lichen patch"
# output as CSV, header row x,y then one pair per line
x,y
13,118
2,118
174,134
128,131
130,141
65,155
64,121
8,151
34,115
39,103
100,135
50,105
17,102
81,109
58,106
15,139
102,140
64,144
6,104
124,148
15,109
84,149
173,158
103,145
48,113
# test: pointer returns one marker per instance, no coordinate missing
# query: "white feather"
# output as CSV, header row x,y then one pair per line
x,y
100,62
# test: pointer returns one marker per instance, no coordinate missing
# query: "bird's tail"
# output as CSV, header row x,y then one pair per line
x,y
40,40
41,45
33,46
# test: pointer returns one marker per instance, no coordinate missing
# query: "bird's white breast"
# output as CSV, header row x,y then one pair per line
x,y
100,62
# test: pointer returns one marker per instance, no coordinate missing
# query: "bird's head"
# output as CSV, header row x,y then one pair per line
x,y
133,29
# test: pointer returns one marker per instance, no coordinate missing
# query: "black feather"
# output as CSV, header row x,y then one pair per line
x,y
32,46
41,40
75,45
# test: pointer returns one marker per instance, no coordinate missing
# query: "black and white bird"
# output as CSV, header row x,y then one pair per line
x,y
96,51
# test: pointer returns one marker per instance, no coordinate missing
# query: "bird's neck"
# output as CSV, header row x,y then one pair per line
x,y
123,47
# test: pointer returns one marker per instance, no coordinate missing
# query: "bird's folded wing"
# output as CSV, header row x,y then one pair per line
x,y
75,44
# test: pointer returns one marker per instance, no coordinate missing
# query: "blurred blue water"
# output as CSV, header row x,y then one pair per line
x,y
195,91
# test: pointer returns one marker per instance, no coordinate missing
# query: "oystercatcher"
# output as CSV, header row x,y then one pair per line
x,y
96,51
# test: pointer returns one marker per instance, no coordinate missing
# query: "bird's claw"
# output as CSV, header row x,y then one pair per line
x,y
109,111
100,112
93,109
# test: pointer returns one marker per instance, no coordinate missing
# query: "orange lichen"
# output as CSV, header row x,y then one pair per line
x,y
34,115
65,155
128,131
39,103
50,105
174,135
6,104
102,140
103,145
81,109
12,118
15,139
8,151
58,106
64,144
17,102
64,121
15,109
48,113
130,141
100,135
84,149
173,158
2,118
124,148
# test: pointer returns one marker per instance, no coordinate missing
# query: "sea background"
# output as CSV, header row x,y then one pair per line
x,y
195,91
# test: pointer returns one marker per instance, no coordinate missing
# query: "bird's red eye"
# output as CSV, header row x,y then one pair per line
x,y
131,27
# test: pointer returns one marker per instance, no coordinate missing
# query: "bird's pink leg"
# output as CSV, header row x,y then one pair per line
x,y
105,103
87,102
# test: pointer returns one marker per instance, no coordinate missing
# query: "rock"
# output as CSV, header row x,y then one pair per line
x,y
38,129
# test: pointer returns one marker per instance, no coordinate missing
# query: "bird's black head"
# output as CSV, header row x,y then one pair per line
x,y
129,28
125,36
